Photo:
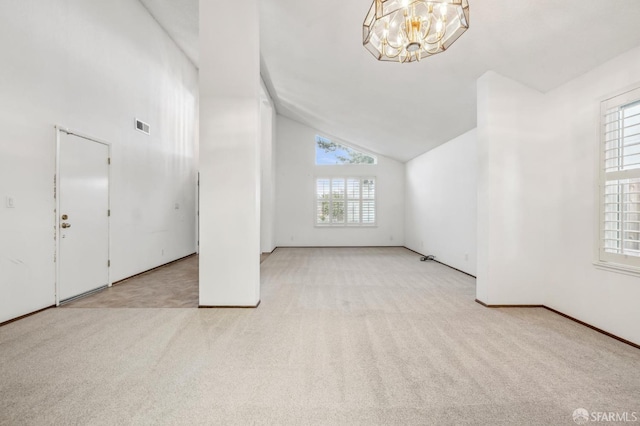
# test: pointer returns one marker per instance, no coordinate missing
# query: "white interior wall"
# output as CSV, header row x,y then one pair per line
x,y
92,66
268,172
538,198
603,298
513,190
295,195
440,200
229,156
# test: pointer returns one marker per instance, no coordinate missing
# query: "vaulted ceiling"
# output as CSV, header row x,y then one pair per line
x,y
314,62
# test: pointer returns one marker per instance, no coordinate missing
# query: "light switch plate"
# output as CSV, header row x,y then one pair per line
x,y
10,202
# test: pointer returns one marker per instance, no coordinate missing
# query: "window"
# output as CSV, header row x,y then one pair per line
x,y
345,201
330,153
620,180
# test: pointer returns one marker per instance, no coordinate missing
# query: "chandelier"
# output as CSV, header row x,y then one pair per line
x,y
409,30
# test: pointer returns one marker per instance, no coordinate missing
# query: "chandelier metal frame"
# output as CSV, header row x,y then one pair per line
x,y
410,30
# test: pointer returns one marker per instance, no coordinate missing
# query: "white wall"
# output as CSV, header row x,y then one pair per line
x,y
230,166
513,190
92,66
267,172
295,194
538,197
603,298
441,201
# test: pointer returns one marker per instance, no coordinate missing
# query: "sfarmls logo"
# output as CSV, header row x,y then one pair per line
x,y
582,416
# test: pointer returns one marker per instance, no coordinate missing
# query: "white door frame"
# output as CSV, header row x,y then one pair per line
x,y
59,130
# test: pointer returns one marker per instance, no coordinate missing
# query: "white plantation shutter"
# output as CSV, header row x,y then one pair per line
x,y
620,180
323,189
353,201
353,188
353,211
345,201
337,188
368,201
337,201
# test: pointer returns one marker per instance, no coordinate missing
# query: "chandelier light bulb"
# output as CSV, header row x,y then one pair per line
x,y
408,31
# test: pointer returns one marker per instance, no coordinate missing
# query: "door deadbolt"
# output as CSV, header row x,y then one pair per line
x,y
66,225
65,217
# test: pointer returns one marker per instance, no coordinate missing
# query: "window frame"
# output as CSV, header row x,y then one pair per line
x,y
617,262
345,200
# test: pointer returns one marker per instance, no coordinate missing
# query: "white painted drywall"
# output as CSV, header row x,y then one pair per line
x,y
602,298
92,66
513,180
538,198
267,171
295,194
440,203
230,166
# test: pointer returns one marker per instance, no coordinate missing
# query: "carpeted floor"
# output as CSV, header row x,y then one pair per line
x,y
342,336
172,286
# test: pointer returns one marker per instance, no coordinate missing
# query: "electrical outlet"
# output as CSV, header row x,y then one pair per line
x,y
10,202
466,256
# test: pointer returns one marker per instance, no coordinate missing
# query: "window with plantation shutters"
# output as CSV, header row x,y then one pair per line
x,y
620,180
345,201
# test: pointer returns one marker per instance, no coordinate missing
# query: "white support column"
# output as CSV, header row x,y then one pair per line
x,y
513,192
267,201
229,154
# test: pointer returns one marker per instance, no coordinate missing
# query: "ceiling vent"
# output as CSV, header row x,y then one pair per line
x,y
143,127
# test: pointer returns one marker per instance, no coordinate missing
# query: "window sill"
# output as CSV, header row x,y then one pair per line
x,y
618,268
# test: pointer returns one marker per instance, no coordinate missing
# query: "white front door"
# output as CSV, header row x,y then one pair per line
x,y
83,222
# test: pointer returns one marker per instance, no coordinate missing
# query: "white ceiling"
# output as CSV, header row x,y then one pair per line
x,y
180,19
323,77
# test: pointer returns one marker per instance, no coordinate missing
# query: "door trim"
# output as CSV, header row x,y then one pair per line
x,y
56,209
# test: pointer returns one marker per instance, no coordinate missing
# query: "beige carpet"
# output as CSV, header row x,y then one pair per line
x,y
343,336
172,286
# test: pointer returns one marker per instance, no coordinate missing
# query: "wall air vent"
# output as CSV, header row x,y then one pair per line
x,y
143,127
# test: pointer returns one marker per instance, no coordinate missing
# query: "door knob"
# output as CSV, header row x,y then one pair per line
x,y
66,225
65,217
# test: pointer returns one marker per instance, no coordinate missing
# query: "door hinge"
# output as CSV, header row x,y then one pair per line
x,y
108,212
108,263
109,160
